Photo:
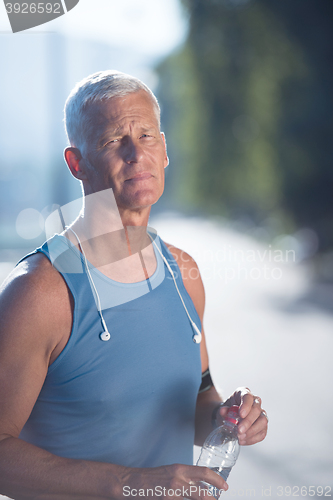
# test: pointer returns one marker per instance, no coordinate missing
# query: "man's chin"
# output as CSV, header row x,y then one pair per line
x,y
140,201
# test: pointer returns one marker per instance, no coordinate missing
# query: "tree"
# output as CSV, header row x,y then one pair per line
x,y
239,102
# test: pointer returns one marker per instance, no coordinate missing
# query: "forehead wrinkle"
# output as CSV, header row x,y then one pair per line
x,y
134,124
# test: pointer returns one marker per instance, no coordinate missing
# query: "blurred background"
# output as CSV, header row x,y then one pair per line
x,y
245,88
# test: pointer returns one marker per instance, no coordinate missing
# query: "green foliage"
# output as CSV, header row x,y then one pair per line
x,y
186,119
232,100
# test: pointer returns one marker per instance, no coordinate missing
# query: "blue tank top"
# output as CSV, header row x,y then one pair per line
x,y
131,400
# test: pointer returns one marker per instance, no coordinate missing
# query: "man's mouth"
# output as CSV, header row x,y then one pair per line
x,y
142,176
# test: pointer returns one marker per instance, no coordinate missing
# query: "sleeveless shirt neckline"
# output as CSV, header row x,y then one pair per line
x,y
155,276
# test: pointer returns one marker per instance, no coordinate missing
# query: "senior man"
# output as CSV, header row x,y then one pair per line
x,y
100,354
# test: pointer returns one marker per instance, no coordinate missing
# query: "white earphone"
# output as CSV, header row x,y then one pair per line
x,y
105,335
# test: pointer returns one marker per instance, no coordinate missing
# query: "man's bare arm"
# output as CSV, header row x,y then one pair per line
x,y
35,312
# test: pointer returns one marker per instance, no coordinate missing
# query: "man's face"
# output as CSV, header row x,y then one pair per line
x,y
127,151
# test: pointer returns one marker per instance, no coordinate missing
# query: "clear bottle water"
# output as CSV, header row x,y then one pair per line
x,y
221,449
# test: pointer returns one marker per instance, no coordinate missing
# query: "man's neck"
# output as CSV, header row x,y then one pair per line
x,y
109,234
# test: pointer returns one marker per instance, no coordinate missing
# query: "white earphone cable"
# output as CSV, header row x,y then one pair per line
x,y
106,335
197,338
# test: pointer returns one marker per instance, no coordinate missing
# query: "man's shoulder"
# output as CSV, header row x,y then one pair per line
x,y
33,285
187,265
181,257
191,277
35,271
35,306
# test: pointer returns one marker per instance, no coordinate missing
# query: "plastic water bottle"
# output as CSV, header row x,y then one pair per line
x,y
221,449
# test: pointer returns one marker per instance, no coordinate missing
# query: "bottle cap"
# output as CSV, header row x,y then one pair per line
x,y
232,414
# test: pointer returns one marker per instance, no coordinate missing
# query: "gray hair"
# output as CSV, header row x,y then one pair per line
x,y
95,88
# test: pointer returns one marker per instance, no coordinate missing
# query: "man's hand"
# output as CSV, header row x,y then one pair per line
x,y
171,482
252,427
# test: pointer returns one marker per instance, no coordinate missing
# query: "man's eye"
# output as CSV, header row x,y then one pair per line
x,y
145,135
111,142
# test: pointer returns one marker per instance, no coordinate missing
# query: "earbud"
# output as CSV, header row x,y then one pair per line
x,y
105,336
197,337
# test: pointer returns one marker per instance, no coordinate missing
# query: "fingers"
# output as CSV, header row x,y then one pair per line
x,y
206,475
256,433
253,424
203,483
173,481
243,398
195,480
253,428
249,412
247,402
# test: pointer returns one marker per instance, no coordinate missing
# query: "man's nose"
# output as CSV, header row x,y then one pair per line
x,y
133,151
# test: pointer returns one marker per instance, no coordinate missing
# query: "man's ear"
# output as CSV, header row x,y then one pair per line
x,y
166,159
73,158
